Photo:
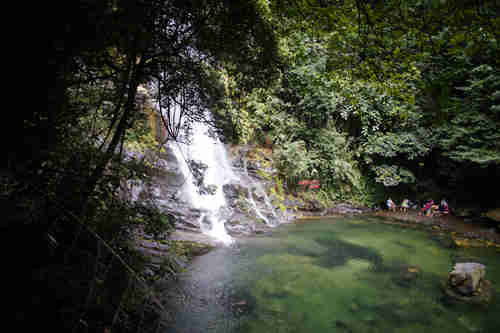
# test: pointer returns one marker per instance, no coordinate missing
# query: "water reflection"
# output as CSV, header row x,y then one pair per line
x,y
331,277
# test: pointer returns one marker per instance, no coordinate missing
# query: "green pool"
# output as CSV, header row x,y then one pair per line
x,y
332,275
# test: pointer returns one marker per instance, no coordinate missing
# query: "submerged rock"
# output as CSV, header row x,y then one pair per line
x,y
354,307
342,325
406,276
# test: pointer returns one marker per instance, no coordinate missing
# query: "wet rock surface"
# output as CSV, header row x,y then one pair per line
x,y
234,192
346,209
313,206
466,277
467,283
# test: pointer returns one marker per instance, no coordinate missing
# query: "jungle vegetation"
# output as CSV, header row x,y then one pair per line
x,y
378,97
369,96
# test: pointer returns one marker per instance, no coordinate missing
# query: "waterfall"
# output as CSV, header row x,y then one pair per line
x,y
195,183
257,187
212,153
206,191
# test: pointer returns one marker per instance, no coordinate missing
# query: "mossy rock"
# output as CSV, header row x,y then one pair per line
x,y
189,249
482,297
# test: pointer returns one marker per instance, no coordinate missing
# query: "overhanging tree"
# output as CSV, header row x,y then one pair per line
x,y
175,44
65,179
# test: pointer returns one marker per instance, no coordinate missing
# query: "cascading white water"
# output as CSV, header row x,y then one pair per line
x,y
201,197
259,191
211,152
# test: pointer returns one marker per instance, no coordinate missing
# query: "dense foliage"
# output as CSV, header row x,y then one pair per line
x,y
404,92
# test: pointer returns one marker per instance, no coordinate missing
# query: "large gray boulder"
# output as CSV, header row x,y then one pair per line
x,y
466,277
467,283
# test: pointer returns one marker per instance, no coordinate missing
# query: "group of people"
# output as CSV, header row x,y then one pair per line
x,y
429,208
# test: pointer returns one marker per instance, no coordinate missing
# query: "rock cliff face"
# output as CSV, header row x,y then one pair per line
x,y
252,200
248,207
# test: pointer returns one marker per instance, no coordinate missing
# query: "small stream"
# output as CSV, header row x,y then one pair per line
x,y
332,275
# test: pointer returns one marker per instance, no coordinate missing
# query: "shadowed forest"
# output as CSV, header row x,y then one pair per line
x,y
372,98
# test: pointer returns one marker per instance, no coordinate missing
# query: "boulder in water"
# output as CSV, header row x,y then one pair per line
x,y
465,277
466,283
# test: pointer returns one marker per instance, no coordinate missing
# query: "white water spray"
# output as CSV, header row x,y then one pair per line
x,y
259,190
211,152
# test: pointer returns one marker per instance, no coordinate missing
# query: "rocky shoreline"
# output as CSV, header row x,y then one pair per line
x,y
175,254
464,232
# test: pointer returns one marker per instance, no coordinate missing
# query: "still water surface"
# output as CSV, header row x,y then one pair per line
x,y
337,275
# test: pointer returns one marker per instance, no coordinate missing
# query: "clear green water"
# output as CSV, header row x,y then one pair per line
x,y
343,275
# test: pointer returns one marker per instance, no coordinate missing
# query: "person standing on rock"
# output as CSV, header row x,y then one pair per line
x,y
391,205
405,205
443,207
427,209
